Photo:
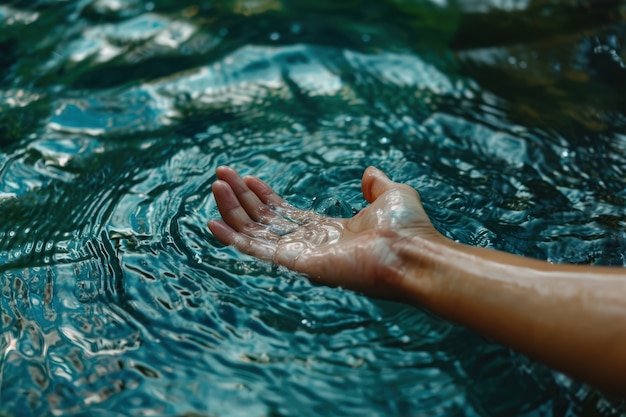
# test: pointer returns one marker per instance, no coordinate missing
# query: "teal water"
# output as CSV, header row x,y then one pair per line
x,y
115,300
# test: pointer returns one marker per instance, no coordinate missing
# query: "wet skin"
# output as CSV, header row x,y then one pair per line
x,y
359,253
571,317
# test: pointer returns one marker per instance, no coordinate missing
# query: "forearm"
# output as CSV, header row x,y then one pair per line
x,y
570,317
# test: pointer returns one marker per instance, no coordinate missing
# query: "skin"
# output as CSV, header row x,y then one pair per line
x,y
570,317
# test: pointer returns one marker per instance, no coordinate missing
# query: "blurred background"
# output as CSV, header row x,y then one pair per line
x,y
115,300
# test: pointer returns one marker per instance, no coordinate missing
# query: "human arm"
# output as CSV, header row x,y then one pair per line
x,y
570,317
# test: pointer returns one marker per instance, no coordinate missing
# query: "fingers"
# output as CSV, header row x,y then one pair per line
x,y
234,214
280,206
230,207
263,191
256,209
228,236
260,202
375,183
245,210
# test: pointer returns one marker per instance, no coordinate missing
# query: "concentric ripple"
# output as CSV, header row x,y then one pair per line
x,y
115,300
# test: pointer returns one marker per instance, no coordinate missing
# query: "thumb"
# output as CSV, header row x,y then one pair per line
x,y
375,183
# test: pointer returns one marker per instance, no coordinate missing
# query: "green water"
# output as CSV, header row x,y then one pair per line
x,y
115,300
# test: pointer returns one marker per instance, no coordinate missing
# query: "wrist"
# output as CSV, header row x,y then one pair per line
x,y
426,265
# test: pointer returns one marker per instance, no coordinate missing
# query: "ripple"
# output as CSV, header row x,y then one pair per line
x,y
116,300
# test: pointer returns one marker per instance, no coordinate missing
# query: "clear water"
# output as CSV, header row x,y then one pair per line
x,y
115,300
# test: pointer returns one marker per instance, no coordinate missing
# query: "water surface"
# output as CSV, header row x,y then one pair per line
x,y
115,300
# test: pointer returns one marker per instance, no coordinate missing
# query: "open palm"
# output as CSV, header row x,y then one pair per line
x,y
362,253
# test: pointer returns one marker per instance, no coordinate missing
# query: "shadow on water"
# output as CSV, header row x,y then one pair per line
x,y
115,299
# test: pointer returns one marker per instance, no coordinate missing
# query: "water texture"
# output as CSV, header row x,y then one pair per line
x,y
115,300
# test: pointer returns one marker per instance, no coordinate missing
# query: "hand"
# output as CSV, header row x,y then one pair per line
x,y
363,253
571,317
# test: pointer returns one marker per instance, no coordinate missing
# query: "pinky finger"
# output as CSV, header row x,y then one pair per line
x,y
228,236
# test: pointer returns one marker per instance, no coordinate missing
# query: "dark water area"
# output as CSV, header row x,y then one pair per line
x,y
115,300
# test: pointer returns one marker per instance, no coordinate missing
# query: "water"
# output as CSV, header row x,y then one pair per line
x,y
115,300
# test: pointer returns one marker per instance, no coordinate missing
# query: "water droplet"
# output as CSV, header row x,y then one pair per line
x,y
275,36
307,323
332,206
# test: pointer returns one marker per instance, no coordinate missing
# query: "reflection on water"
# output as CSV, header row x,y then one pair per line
x,y
114,114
